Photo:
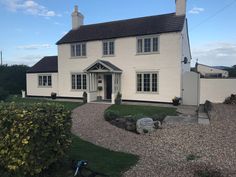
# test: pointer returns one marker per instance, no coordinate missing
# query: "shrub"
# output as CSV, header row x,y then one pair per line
x,y
176,101
110,115
118,98
230,100
33,137
3,94
85,97
159,117
139,116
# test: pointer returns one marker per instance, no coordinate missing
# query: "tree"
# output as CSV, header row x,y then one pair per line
x,y
13,78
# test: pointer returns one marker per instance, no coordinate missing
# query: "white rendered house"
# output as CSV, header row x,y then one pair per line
x,y
142,58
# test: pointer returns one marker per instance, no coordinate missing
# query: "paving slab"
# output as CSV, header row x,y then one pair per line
x,y
180,119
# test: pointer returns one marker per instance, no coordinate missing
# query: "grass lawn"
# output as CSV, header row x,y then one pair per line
x,y
99,159
68,105
136,110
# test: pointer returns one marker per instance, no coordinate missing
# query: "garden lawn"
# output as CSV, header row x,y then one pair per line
x,y
138,111
68,105
99,159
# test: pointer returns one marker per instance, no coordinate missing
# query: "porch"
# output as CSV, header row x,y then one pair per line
x,y
104,81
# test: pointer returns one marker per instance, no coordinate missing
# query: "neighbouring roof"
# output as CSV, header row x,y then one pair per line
x,y
45,65
103,65
125,28
213,67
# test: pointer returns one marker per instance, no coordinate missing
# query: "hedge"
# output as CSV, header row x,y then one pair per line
x,y
3,94
33,137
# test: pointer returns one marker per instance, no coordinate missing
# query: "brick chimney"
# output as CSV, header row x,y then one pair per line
x,y
77,19
180,7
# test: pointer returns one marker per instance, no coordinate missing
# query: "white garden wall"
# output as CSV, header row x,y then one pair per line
x,y
216,90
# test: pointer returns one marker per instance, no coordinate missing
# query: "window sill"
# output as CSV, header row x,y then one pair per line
x,y
44,86
105,56
142,92
78,90
78,57
148,53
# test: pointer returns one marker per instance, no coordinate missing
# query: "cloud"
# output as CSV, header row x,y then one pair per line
x,y
196,10
34,46
29,7
216,53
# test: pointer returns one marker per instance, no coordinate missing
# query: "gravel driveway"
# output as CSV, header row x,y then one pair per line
x,y
164,153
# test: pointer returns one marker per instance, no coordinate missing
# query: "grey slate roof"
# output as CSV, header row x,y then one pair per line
x,y
125,28
45,65
106,64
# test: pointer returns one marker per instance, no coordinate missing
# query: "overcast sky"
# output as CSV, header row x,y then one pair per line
x,y
30,28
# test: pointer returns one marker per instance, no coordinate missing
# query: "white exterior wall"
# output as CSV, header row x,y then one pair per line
x,y
209,70
216,90
34,90
167,63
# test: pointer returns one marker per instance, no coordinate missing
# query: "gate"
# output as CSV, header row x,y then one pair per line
x,y
190,88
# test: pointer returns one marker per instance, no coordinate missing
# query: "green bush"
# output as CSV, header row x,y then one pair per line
x,y
85,97
3,94
32,137
118,99
110,115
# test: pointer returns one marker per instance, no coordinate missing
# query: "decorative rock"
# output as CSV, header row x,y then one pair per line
x,y
119,122
131,126
145,125
157,124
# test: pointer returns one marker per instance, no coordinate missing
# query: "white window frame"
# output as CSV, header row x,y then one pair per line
x,y
73,54
108,48
143,44
81,82
150,84
46,85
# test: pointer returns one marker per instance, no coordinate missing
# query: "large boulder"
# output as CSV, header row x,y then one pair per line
x,y
145,125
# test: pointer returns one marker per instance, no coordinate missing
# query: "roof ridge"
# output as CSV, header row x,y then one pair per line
x,y
148,25
136,18
50,56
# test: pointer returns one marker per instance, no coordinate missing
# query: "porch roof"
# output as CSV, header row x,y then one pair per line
x,y
103,66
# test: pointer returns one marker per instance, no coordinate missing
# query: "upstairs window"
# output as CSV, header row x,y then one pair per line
x,y
78,50
44,80
147,45
108,48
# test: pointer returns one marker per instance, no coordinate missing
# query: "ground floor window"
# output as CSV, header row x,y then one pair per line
x,y
147,82
45,80
79,81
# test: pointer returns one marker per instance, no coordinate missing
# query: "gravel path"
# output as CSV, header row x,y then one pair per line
x,y
164,152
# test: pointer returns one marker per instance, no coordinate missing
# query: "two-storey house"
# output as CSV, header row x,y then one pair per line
x,y
142,58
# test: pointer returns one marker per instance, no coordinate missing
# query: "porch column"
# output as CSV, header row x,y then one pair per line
x,y
113,95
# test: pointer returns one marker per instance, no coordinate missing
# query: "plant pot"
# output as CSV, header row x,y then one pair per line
x,y
53,96
175,102
99,98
